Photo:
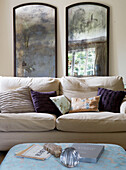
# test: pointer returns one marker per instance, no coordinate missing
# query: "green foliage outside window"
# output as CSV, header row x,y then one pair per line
x,y
81,63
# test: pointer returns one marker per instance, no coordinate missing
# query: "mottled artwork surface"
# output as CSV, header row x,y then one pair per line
x,y
35,40
87,39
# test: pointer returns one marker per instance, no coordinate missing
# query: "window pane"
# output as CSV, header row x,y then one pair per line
x,y
81,63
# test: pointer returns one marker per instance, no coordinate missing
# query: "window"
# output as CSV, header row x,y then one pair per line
x,y
81,63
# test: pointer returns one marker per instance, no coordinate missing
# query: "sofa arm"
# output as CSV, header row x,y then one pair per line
x,y
123,107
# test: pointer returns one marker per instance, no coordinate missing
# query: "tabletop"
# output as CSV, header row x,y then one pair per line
x,y
113,157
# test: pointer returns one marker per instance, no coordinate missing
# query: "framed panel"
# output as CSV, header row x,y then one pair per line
x,y
87,39
35,40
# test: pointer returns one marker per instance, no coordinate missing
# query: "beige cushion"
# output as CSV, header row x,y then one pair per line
x,y
85,104
27,122
88,86
43,84
123,107
92,122
15,101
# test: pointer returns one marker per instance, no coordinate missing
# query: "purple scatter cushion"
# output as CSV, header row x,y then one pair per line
x,y
43,104
110,100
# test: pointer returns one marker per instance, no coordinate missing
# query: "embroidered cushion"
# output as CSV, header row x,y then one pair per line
x,y
85,104
62,103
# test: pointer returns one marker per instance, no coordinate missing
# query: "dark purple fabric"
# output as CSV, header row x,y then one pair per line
x,y
110,100
43,104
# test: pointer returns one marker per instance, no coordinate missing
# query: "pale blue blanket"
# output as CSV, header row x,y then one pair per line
x,y
113,157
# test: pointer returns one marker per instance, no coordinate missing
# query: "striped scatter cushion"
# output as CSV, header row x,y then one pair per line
x,y
110,100
15,101
43,104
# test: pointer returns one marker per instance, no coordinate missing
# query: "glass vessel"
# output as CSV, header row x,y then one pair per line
x,y
69,157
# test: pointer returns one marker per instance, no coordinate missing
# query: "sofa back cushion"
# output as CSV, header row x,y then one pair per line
x,y
43,84
88,87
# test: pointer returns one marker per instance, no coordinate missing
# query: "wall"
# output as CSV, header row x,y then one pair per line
x,y
117,34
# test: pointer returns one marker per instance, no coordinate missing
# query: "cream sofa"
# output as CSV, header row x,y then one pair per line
x,y
97,127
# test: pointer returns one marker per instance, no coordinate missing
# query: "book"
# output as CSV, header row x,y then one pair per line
x,y
35,152
89,152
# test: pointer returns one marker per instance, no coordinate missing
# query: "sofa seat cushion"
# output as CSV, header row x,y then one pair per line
x,y
92,122
27,122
